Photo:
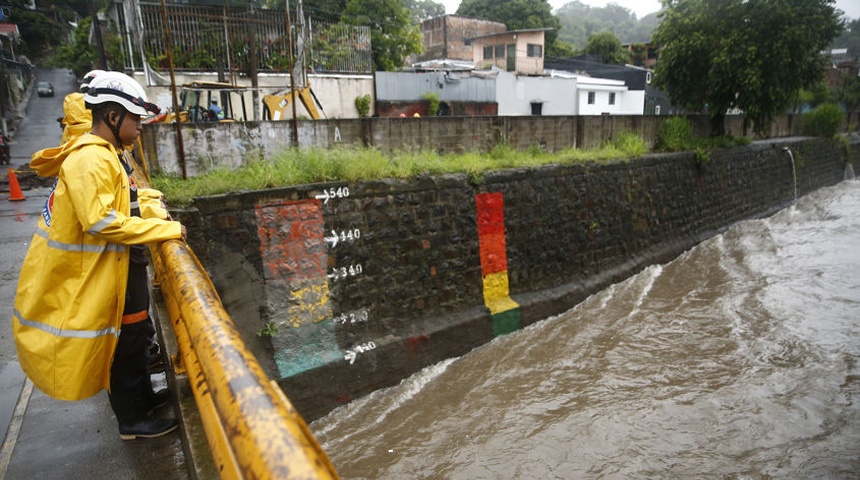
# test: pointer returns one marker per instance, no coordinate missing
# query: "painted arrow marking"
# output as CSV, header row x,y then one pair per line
x,y
333,239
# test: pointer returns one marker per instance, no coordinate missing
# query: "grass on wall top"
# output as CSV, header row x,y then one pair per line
x,y
297,167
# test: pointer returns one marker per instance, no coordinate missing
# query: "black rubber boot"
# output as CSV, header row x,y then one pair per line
x,y
149,428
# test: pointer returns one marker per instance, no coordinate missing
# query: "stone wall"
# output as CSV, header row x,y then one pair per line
x,y
341,289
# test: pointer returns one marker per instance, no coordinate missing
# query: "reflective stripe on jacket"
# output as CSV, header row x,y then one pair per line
x,y
71,290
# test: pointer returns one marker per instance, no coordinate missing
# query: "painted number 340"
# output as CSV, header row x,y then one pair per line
x,y
344,272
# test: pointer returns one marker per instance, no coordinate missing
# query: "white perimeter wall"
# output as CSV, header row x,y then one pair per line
x,y
337,94
515,94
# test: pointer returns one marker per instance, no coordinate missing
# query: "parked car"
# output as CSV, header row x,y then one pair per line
x,y
45,89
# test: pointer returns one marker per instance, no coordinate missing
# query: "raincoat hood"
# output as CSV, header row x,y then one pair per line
x,y
77,120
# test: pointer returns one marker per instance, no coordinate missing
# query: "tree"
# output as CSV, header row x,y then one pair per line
x,y
38,32
77,55
606,45
754,55
580,21
80,56
517,15
392,35
424,9
326,10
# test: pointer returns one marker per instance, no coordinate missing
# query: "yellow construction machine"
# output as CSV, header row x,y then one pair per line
x,y
278,106
195,99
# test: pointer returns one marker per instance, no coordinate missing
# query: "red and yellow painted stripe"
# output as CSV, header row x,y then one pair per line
x,y
504,310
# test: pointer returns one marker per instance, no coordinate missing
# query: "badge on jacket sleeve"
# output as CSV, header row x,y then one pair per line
x,y
49,205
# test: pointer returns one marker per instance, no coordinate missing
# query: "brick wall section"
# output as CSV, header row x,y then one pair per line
x,y
444,36
570,231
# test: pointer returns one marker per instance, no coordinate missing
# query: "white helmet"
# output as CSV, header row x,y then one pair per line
x,y
119,88
89,77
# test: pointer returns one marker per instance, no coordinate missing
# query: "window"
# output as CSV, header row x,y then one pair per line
x,y
500,51
534,50
591,98
537,108
648,78
488,52
612,98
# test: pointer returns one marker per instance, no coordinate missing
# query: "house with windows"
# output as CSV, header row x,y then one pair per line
x,y
639,80
449,37
477,67
519,51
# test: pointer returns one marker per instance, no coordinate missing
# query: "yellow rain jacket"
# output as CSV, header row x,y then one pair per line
x,y
71,291
77,120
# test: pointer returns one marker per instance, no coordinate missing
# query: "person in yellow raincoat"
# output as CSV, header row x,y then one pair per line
x,y
77,120
82,305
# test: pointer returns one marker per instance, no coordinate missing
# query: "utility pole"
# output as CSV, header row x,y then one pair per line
x,y
97,31
177,117
292,79
254,65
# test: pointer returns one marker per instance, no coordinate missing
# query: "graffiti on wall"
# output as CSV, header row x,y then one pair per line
x,y
298,299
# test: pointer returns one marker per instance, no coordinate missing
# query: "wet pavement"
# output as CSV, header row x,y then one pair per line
x,y
46,438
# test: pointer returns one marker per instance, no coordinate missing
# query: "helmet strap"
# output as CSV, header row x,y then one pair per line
x,y
114,128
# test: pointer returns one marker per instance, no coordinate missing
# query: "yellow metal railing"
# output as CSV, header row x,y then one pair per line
x,y
252,429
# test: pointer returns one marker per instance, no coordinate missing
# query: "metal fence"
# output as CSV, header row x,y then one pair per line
x,y
222,38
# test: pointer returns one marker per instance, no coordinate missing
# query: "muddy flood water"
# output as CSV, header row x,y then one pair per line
x,y
737,360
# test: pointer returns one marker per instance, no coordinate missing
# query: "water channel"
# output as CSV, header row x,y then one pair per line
x,y
737,360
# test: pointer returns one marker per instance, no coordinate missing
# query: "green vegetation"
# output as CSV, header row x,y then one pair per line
x,y
296,167
825,121
269,330
392,35
580,21
676,134
362,104
433,103
424,9
606,45
723,54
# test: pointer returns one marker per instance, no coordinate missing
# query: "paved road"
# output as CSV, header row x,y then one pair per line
x,y
47,438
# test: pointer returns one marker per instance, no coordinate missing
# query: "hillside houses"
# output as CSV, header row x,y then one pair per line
x,y
477,66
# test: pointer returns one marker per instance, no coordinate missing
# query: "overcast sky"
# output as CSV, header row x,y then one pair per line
x,y
644,7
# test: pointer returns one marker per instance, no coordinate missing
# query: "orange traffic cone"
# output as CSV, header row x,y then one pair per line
x,y
15,194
